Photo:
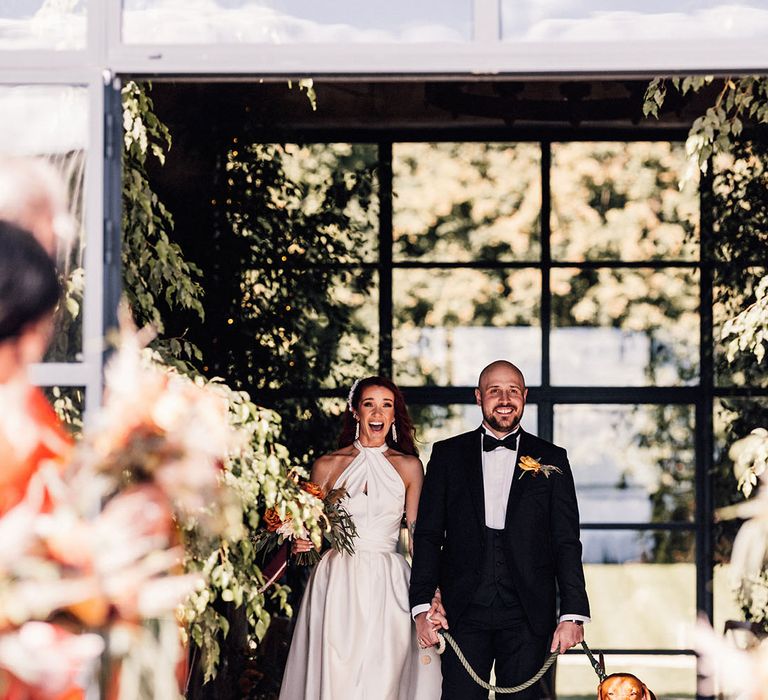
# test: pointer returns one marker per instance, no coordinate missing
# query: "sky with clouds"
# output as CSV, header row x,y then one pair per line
x,y
61,23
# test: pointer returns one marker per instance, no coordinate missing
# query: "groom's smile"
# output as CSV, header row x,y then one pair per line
x,y
501,395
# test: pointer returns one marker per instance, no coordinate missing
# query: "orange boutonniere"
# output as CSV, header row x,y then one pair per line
x,y
533,465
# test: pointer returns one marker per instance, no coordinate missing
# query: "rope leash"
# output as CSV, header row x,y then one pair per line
x,y
446,637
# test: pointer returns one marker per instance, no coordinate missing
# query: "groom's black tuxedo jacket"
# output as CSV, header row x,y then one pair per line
x,y
541,533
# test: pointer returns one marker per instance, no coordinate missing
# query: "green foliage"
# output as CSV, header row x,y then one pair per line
x,y
741,100
293,304
257,475
156,275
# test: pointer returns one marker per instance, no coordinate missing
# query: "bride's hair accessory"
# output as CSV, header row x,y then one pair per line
x,y
351,394
394,433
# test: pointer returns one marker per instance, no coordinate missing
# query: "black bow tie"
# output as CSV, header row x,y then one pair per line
x,y
491,443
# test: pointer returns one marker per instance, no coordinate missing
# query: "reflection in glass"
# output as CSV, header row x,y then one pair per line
x,y
50,123
42,24
622,201
606,20
340,360
629,589
69,404
461,202
295,21
726,605
449,324
631,463
625,327
314,167
434,423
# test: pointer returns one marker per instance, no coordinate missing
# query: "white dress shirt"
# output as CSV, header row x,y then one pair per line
x,y
498,473
498,470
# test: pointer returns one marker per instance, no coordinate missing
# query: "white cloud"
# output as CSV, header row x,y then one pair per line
x,y
206,22
43,120
54,24
557,21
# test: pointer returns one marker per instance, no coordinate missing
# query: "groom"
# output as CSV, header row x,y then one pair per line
x,y
498,540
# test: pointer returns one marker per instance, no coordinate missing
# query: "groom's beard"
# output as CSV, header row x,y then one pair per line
x,y
506,426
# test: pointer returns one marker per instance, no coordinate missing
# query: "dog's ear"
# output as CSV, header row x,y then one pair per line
x,y
600,691
647,694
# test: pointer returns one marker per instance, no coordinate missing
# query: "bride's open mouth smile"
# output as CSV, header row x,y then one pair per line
x,y
376,427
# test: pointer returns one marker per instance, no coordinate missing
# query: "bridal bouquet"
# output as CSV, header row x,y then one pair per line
x,y
337,527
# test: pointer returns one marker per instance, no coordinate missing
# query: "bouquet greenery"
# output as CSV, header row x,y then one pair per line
x,y
338,528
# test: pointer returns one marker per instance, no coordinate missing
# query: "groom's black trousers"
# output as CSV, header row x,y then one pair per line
x,y
487,634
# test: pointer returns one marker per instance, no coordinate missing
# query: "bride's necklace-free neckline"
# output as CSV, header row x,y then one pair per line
x,y
378,448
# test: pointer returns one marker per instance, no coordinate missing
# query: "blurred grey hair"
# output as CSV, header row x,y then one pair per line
x,y
29,186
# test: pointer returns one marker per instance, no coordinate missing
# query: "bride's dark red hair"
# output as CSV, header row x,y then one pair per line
x,y
403,423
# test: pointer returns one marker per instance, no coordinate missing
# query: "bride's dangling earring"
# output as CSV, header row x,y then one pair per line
x,y
357,430
394,433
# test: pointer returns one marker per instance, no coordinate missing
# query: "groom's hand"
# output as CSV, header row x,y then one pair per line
x,y
425,631
436,614
567,635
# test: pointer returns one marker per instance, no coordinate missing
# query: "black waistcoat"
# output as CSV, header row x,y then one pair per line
x,y
495,579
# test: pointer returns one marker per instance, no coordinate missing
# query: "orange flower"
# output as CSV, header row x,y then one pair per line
x,y
313,489
272,520
533,465
530,464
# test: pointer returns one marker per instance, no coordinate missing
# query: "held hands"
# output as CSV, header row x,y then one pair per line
x,y
567,635
436,614
427,623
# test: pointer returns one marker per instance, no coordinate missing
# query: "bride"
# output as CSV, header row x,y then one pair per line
x,y
354,637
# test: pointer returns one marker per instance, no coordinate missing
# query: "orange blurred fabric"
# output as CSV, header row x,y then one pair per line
x,y
18,690
48,443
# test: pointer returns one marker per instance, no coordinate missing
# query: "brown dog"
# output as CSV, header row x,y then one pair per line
x,y
623,686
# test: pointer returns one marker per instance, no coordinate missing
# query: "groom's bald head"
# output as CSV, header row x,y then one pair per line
x,y
496,366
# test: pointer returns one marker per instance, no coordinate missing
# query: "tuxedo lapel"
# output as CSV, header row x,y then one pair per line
x,y
473,466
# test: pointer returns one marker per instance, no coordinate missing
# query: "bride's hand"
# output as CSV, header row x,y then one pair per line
x,y
300,545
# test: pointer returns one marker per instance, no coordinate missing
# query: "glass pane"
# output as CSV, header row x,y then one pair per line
x,y
726,606
326,361
295,21
622,201
734,292
309,427
315,167
625,327
449,324
627,590
69,404
49,124
631,464
623,20
42,24
669,677
434,423
460,202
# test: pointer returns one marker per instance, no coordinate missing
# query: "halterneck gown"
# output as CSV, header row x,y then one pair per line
x,y
354,637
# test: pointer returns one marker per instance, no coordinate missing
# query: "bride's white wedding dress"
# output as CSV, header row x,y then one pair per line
x,y
354,636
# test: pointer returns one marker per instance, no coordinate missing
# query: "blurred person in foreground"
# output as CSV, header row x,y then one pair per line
x,y
33,197
31,435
